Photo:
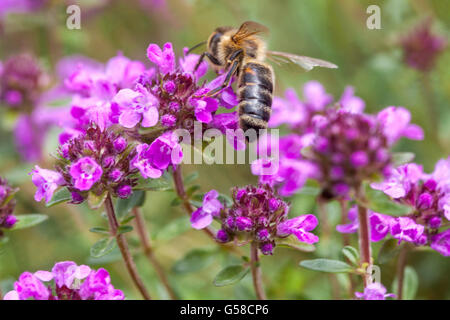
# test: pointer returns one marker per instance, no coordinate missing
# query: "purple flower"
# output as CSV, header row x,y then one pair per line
x,y
421,47
441,243
211,207
97,286
204,108
257,214
164,59
351,103
28,286
299,226
374,291
379,224
142,162
7,206
316,98
165,151
137,105
46,181
396,124
85,173
400,181
406,229
66,276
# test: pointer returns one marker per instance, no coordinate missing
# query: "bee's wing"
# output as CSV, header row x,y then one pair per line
x,y
247,29
306,63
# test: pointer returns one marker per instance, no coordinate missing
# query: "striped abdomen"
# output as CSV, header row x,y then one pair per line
x,y
255,95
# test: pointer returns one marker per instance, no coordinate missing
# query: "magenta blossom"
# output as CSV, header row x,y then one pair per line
x,y
204,215
141,161
374,291
66,277
85,172
46,181
379,224
164,59
406,229
441,243
137,105
299,226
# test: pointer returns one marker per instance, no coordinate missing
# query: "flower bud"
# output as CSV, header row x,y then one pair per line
x,y
120,144
435,222
244,223
10,221
124,191
262,235
222,236
267,248
425,201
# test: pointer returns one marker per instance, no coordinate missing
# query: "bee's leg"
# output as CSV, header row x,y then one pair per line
x,y
209,56
227,81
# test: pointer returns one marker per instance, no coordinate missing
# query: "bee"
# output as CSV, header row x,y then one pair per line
x,y
242,53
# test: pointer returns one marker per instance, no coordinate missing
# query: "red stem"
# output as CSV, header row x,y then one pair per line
x,y
148,251
124,250
256,272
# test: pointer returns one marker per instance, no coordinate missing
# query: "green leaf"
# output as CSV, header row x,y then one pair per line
x,y
351,254
293,243
102,247
230,275
191,177
399,158
124,206
410,284
388,251
378,201
161,184
192,189
309,190
173,229
99,230
175,202
194,260
127,219
124,229
62,195
28,220
225,199
326,265
96,201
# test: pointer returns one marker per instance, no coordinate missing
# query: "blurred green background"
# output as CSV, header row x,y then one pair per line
x,y
369,60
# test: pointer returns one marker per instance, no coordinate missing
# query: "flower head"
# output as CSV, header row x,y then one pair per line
x,y
257,214
421,47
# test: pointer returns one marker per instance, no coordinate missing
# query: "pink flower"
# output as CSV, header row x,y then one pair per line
x,y
396,124
374,291
299,226
46,181
203,216
85,173
404,228
164,59
137,105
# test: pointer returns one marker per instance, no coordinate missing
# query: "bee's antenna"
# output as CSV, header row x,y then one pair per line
x,y
196,46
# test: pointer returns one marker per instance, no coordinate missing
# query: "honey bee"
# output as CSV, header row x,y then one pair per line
x,y
241,53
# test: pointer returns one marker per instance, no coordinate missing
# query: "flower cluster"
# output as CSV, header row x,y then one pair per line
x,y
96,161
7,205
257,214
352,147
71,282
21,80
338,144
289,169
170,97
429,197
421,47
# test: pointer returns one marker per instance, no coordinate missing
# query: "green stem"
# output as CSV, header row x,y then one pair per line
x,y
401,264
124,250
